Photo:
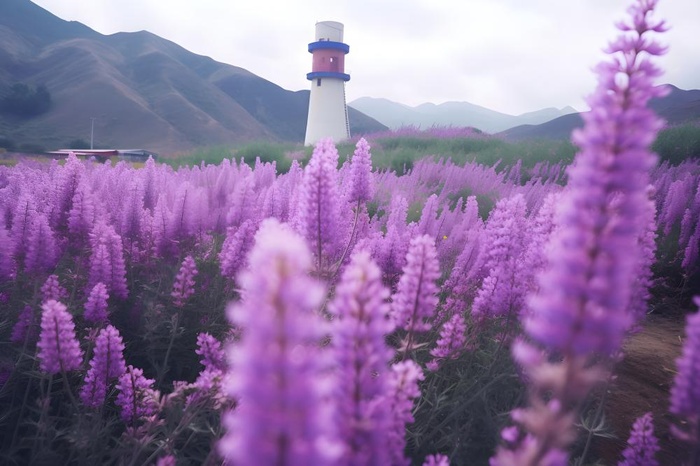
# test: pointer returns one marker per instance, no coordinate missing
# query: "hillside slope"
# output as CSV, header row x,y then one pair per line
x,y
679,106
142,90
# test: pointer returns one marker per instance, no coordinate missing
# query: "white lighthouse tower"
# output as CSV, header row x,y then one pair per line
x,y
328,113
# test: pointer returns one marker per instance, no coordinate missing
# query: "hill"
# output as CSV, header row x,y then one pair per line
x,y
457,114
679,106
142,90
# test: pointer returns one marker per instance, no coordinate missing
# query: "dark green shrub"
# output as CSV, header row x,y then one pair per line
x,y
7,144
78,144
25,101
678,143
32,148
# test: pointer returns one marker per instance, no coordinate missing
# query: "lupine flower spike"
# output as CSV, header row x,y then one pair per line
x,y
137,398
403,390
581,308
183,287
362,355
685,392
318,212
416,298
22,329
52,289
209,349
96,305
279,381
642,444
436,460
59,350
106,365
451,341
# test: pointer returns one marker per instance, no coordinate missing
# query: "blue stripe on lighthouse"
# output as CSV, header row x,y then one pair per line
x,y
327,74
329,44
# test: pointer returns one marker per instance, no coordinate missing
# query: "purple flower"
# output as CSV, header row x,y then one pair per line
x,y
132,215
22,329
59,350
451,341
403,390
503,290
81,217
358,339
107,260
167,460
238,242
107,363
541,232
592,260
428,223
136,398
318,213
51,289
276,369
581,309
677,197
244,201
462,285
436,460
208,388
685,392
209,348
361,189
642,444
690,228
64,186
185,218
42,251
22,221
183,287
416,298
390,250
7,265
96,304
644,275
689,223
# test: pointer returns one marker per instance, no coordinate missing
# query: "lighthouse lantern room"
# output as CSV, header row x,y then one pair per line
x,y
328,113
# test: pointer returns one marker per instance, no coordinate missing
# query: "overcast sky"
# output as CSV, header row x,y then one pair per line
x,y
513,56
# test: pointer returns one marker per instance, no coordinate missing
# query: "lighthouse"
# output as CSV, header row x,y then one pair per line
x,y
328,112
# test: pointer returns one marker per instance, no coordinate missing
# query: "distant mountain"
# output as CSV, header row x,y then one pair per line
x,y
459,114
143,90
679,106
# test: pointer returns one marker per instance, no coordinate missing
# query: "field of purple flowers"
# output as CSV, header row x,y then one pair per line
x,y
340,315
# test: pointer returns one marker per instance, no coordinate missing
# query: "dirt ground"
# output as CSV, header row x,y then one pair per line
x,y
644,380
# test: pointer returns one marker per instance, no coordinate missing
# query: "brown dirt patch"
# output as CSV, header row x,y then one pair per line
x,y
644,379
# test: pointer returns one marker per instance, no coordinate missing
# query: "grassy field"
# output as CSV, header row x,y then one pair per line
x,y
400,149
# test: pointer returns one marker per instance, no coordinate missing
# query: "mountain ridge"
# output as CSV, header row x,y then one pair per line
x,y
452,113
141,89
678,107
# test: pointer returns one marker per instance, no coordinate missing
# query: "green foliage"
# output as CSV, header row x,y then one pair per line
x,y
78,144
466,402
25,101
399,153
266,151
678,143
210,155
160,338
32,148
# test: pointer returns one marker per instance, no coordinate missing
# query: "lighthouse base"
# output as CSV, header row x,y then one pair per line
x,y
328,116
